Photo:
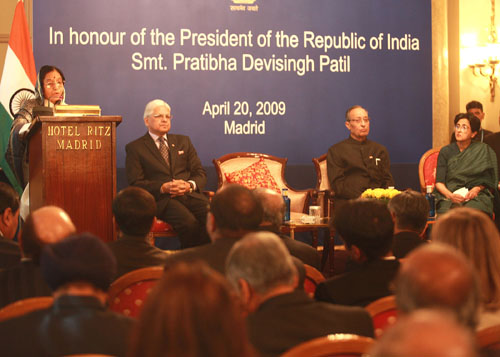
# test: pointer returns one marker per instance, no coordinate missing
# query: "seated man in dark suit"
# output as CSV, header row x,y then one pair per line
x,y
261,270
410,211
274,211
367,229
79,270
357,163
134,210
10,254
234,211
46,225
168,167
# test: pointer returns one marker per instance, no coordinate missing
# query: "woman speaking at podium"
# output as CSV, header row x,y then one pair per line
x,y
49,91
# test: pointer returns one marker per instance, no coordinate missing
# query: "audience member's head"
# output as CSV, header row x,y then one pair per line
x,y
438,276
234,211
473,233
191,312
429,333
474,122
46,225
9,211
274,208
134,210
476,108
367,228
80,262
410,210
259,266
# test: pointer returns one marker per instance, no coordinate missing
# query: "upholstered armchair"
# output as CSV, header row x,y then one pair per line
x,y
260,170
427,168
323,194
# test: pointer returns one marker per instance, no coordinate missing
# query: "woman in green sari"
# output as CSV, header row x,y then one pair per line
x,y
466,173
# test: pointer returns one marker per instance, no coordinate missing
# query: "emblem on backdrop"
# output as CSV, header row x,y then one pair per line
x,y
244,5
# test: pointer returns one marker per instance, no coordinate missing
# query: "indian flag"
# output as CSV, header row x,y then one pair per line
x,y
18,82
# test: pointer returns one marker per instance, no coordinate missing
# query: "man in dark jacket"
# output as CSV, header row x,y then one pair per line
x,y
79,270
261,270
134,210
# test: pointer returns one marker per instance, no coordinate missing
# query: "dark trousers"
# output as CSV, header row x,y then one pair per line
x,y
188,216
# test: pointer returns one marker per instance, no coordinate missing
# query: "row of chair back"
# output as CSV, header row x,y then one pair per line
x,y
128,293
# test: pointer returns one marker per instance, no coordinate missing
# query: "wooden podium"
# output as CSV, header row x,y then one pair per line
x,y
72,164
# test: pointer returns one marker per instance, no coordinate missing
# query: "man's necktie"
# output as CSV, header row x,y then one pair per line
x,y
164,150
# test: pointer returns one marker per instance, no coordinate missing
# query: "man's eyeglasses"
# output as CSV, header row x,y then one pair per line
x,y
54,84
360,120
160,116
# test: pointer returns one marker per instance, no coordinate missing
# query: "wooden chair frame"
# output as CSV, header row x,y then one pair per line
x,y
135,276
313,275
24,306
323,193
421,164
381,305
488,337
332,345
222,179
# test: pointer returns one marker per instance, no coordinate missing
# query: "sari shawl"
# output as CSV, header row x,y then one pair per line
x,y
17,150
475,166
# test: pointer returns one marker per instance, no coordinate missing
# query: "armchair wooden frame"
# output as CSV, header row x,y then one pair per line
x,y
134,276
489,338
248,158
131,278
323,194
25,306
422,165
312,279
332,345
383,312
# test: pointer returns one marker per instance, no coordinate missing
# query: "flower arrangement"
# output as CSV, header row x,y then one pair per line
x,y
380,193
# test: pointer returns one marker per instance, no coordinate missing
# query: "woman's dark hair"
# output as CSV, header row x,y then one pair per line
x,y
191,312
475,122
47,69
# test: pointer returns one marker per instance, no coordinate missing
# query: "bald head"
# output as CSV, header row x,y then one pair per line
x,y
273,205
428,333
438,276
46,225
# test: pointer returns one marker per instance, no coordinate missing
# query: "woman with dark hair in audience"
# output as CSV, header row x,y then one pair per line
x,y
466,173
475,235
191,312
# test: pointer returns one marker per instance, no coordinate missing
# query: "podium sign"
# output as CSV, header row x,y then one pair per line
x,y
72,164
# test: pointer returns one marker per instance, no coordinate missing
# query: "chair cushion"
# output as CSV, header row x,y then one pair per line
x,y
253,176
161,227
129,302
430,169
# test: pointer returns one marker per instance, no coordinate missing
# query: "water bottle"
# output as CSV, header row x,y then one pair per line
x,y
284,193
430,198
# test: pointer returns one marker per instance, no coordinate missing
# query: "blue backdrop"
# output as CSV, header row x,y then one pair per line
x,y
380,58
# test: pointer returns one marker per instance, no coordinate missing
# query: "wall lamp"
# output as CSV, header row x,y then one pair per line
x,y
487,68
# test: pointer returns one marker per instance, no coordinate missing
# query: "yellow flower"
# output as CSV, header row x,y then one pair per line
x,y
380,193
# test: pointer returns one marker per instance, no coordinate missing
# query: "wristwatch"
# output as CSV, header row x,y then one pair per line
x,y
191,185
